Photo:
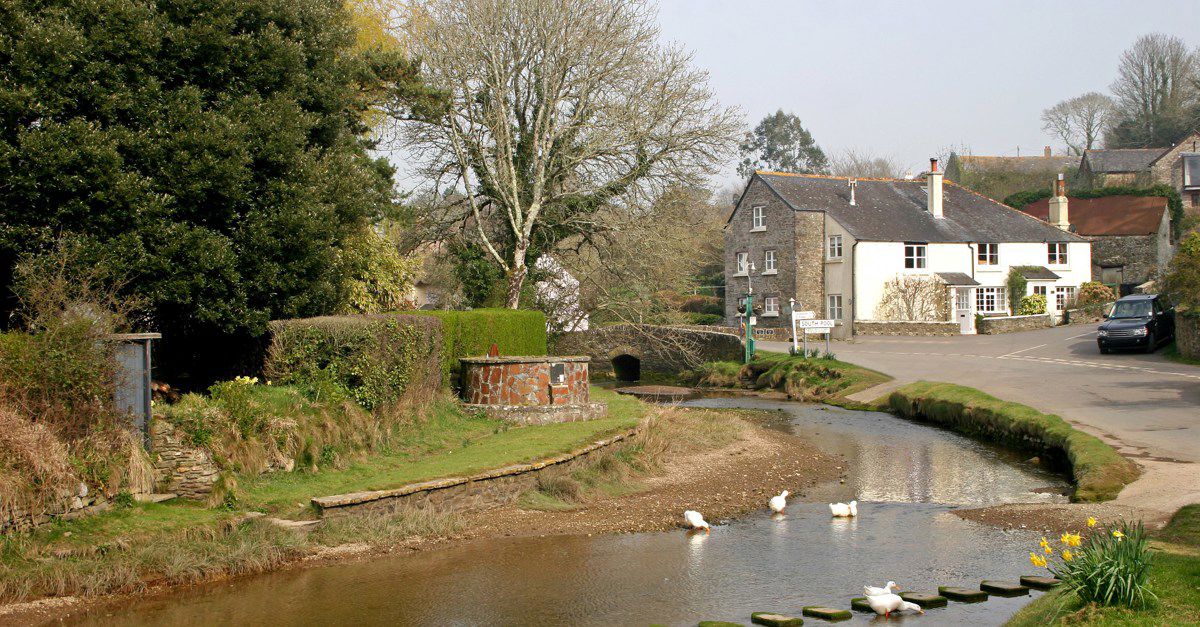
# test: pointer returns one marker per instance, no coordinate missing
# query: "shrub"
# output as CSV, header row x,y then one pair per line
x,y
1094,293
1182,281
472,333
705,318
1032,304
377,360
1111,567
703,305
1016,283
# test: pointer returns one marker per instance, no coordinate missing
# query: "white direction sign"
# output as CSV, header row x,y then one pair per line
x,y
803,315
814,324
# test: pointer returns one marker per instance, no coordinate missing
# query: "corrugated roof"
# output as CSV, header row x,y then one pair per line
x,y
1108,215
1028,165
1038,273
1121,159
893,210
956,278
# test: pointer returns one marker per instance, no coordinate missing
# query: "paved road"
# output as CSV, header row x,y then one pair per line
x,y
1145,404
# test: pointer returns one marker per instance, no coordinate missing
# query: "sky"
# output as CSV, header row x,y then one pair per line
x,y
907,79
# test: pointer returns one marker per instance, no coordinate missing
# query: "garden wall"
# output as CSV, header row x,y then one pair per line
x,y
1010,324
186,471
659,349
1187,335
905,327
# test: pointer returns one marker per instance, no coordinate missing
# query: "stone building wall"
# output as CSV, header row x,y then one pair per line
x,y
779,236
1138,254
1010,324
1187,335
905,327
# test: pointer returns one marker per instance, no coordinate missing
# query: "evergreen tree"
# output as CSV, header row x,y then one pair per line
x,y
781,143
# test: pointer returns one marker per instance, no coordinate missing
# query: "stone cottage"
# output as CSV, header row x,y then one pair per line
x,y
838,245
1177,166
1130,235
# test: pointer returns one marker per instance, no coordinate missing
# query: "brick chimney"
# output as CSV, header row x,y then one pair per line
x,y
934,188
1058,205
1047,152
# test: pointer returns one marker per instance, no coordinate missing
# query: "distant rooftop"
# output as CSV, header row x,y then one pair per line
x,y
1115,160
1028,165
1108,215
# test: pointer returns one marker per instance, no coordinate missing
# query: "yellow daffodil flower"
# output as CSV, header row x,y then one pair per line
x,y
1044,543
1071,539
1092,521
1067,556
1037,560
1117,534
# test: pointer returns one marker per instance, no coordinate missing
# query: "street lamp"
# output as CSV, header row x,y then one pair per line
x,y
749,312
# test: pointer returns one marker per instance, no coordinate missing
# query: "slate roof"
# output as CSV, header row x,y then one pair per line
x,y
956,278
1108,215
1027,165
1038,273
1121,159
894,210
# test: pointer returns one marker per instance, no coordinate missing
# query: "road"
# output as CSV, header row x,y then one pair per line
x,y
1145,405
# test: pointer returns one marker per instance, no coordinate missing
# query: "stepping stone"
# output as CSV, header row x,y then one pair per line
x,y
859,604
772,619
1000,588
153,498
1039,582
926,601
963,595
828,613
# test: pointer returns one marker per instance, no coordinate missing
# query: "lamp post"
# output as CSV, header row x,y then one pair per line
x,y
749,312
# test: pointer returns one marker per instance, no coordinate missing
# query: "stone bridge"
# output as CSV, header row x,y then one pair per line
x,y
628,351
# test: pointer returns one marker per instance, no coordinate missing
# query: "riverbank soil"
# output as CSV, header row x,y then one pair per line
x,y
1056,518
1174,578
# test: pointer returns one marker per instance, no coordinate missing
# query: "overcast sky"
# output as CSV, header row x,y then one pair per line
x,y
904,79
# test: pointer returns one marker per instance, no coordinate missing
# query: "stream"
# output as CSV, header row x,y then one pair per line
x,y
906,476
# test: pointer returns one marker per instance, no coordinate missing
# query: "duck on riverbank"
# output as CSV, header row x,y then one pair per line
x,y
778,502
695,520
889,588
843,510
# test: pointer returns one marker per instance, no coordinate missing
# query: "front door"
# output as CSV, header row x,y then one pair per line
x,y
962,307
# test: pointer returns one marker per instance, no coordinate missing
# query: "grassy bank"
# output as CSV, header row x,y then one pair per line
x,y
1172,352
129,547
813,379
1174,578
1098,470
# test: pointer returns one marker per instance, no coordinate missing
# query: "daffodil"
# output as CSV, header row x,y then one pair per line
x,y
1045,544
1117,534
1092,521
1067,556
1037,560
1071,539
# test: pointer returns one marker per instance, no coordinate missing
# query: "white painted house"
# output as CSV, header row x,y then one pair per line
x,y
842,246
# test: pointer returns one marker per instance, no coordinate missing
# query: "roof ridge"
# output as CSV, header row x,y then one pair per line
x,y
833,177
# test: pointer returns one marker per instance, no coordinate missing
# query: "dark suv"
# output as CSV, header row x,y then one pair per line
x,y
1138,321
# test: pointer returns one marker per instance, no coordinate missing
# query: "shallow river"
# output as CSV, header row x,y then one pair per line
x,y
906,476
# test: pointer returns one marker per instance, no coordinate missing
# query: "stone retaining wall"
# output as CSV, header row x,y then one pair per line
x,y
485,490
905,327
184,470
541,415
658,348
67,507
1187,335
1010,324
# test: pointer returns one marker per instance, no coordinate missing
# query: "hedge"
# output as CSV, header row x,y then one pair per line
x,y
376,360
1099,471
472,333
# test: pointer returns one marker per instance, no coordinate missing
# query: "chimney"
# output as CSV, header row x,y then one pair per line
x,y
853,183
934,187
1047,152
1058,205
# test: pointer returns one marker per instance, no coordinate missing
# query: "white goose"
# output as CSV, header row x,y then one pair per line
x,y
778,502
885,604
889,588
695,520
844,510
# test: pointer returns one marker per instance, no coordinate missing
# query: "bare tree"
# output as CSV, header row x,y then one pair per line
x,y
851,162
557,110
1079,121
1155,88
913,298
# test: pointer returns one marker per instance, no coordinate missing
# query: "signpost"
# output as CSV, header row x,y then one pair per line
x,y
805,323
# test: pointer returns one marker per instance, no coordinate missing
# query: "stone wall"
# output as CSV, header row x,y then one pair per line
x,y
179,468
905,327
66,506
659,349
1138,254
485,490
1187,335
524,381
774,334
527,415
1010,324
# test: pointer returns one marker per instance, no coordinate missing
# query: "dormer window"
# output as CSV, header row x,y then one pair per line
x,y
759,219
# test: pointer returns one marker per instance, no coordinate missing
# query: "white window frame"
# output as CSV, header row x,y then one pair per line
x,y
1043,290
1063,295
769,262
998,300
919,256
988,254
833,306
743,264
758,218
1056,254
833,247
1190,182
771,306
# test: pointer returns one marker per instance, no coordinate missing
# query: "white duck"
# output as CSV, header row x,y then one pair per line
x,y
844,510
889,588
695,520
778,502
885,604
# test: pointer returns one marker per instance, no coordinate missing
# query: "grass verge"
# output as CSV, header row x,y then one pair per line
x,y
1098,470
813,379
1174,578
1172,352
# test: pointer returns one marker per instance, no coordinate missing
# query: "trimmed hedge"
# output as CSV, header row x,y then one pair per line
x,y
375,360
471,334
1098,470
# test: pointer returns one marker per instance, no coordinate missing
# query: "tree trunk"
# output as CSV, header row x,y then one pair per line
x,y
516,279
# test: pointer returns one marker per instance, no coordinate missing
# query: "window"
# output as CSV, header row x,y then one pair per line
x,y
743,260
1064,296
760,218
989,254
991,300
1191,171
833,306
1041,290
1056,253
769,262
833,248
914,255
771,306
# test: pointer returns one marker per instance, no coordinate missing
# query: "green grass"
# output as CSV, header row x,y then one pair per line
x,y
1098,470
1172,352
823,379
1174,578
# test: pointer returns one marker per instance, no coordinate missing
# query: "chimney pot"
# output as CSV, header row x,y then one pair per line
x,y
933,163
934,189
1059,215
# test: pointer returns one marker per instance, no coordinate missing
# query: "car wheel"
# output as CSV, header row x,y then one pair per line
x,y
1104,351
1151,344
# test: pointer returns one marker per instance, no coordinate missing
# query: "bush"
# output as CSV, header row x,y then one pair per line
x,y
376,360
705,319
1032,305
1094,294
703,305
472,333
1016,283
1110,568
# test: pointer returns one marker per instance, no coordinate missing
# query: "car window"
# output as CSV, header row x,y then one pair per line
x,y
1131,309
